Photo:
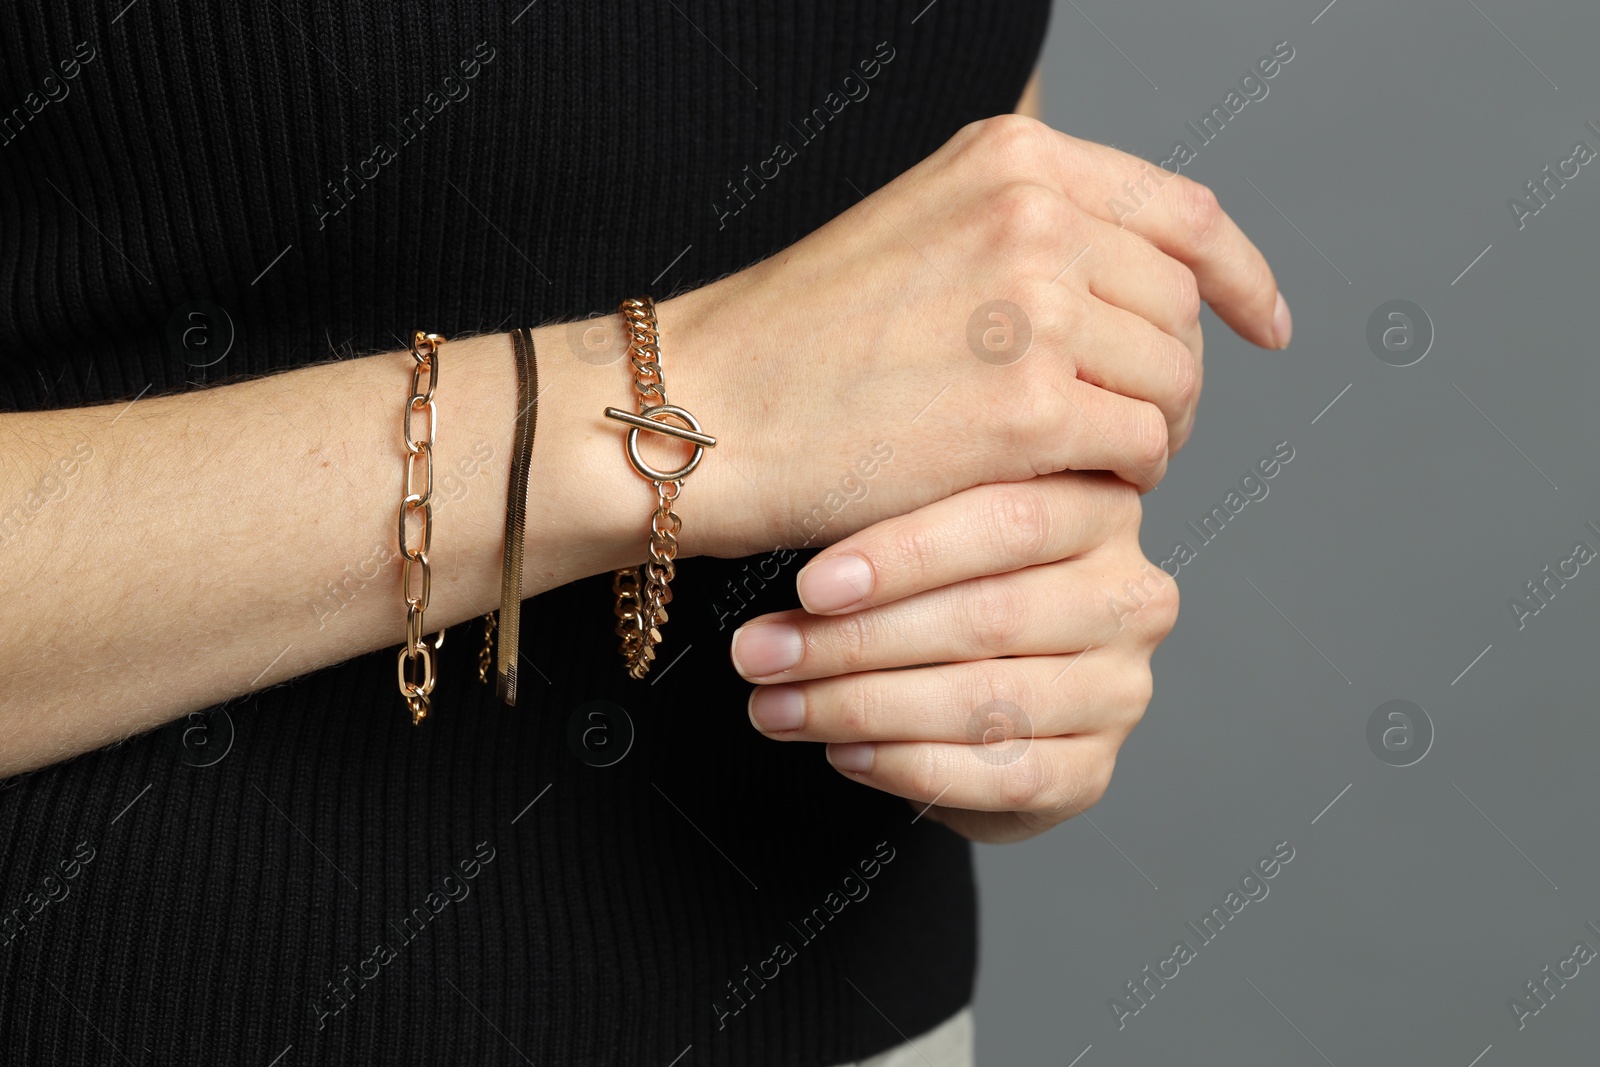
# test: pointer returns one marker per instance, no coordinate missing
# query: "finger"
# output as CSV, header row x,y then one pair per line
x,y
997,703
1060,607
1056,777
1124,269
1183,219
1105,431
1125,354
1178,435
988,529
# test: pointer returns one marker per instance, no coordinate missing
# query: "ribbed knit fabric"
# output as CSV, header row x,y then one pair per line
x,y
301,877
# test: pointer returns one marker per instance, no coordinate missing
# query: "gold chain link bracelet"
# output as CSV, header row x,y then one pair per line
x,y
418,499
641,607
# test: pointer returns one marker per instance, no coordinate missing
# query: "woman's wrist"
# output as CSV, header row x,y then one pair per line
x,y
713,370
588,509
587,512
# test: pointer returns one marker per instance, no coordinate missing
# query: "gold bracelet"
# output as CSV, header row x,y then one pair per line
x,y
416,692
641,607
510,622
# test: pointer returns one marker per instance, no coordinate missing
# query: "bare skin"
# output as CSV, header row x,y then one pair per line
x,y
182,563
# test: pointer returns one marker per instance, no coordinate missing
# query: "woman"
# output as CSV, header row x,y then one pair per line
x,y
226,842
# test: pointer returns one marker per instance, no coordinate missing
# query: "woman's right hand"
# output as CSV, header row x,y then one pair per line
x,y
880,328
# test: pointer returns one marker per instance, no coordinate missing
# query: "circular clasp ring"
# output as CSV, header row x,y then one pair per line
x,y
658,413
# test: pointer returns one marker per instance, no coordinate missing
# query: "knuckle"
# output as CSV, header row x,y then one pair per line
x,y
1185,295
860,706
925,779
1148,436
1013,138
1026,213
852,639
1090,777
1145,604
1181,434
1061,318
1124,507
966,135
1027,422
1097,779
1141,690
1185,375
1019,522
995,610
1021,785
1197,212
913,548
996,682
1161,607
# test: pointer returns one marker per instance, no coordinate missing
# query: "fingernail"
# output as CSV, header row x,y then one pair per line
x,y
1282,322
776,708
766,648
855,757
834,583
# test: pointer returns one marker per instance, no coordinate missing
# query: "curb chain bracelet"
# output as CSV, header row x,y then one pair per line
x,y
643,593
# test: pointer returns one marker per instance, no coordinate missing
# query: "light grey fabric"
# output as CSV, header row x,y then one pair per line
x,y
947,1045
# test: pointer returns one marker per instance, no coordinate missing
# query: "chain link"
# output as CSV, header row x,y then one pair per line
x,y
486,653
418,500
644,350
643,593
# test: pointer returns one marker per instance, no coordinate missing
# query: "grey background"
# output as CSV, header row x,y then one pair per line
x,y
1422,900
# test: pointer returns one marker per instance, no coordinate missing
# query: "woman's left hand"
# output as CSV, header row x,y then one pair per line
x,y
1027,614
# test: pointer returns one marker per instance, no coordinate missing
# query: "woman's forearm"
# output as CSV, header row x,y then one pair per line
x,y
206,545
167,554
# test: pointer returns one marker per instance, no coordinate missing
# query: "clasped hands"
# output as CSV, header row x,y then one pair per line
x,y
984,655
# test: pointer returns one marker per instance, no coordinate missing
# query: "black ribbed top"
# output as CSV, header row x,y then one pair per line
x,y
301,877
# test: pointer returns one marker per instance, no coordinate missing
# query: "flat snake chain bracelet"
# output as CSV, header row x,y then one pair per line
x,y
510,623
644,593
